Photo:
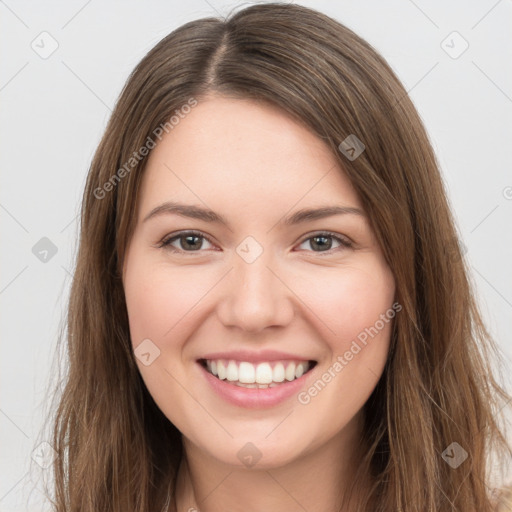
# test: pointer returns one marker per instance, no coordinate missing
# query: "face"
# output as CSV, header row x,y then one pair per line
x,y
291,311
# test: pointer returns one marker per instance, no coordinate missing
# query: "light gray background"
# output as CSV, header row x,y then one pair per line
x,y
55,110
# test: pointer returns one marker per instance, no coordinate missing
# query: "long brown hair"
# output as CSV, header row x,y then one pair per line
x,y
116,449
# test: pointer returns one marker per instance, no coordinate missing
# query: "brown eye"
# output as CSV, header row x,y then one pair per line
x,y
185,242
323,242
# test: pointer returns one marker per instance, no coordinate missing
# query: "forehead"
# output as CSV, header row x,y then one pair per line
x,y
238,155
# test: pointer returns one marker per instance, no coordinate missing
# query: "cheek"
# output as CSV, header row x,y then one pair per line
x,y
348,300
357,306
159,297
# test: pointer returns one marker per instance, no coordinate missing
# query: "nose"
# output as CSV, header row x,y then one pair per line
x,y
255,296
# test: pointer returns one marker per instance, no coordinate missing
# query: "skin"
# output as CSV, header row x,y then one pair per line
x,y
254,165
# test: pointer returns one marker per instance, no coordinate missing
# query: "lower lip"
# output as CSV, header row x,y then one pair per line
x,y
254,398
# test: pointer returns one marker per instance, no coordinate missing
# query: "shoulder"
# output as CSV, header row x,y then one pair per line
x,y
503,501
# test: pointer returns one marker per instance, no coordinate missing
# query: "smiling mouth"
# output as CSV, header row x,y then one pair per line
x,y
257,376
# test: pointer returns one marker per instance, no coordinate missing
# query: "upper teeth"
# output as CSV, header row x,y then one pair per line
x,y
262,373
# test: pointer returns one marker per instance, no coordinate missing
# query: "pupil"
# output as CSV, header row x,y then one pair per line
x,y
194,241
323,238
188,239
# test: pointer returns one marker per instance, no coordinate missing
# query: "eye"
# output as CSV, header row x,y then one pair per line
x,y
188,241
323,241
192,241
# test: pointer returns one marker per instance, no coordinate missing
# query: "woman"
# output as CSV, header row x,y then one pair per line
x,y
270,309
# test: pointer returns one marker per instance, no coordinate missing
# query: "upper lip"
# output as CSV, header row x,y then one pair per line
x,y
255,357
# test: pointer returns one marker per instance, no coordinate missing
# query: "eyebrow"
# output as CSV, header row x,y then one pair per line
x,y
207,215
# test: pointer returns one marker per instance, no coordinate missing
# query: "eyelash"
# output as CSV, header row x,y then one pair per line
x,y
344,242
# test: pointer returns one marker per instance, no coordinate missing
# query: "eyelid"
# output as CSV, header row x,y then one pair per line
x,y
332,234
